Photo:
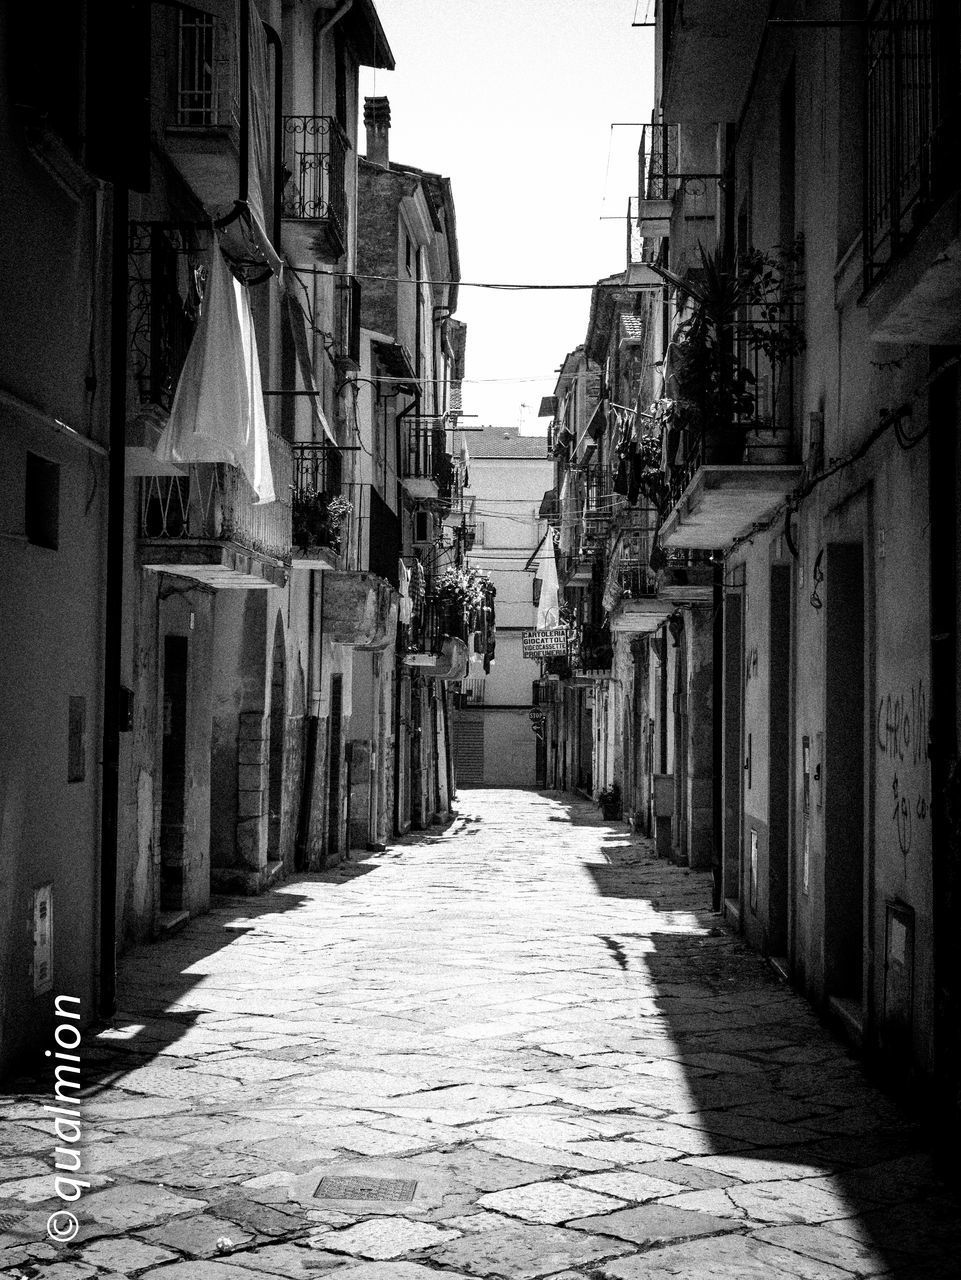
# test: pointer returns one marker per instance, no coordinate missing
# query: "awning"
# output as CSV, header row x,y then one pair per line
x,y
248,229
598,423
298,320
395,359
548,505
548,407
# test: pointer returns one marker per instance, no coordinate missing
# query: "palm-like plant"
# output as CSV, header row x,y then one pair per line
x,y
741,303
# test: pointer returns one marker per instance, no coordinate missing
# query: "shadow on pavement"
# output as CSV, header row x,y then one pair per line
x,y
831,1157
154,985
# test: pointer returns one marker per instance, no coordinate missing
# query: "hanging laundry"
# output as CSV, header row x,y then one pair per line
x,y
621,480
405,610
218,408
418,582
548,605
635,467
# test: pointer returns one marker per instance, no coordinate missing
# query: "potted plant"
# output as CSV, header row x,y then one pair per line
x,y
744,306
461,593
610,801
317,518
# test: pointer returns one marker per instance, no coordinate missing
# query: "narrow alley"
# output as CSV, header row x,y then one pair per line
x,y
521,1046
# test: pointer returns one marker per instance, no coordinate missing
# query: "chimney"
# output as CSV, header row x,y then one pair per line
x,y
377,121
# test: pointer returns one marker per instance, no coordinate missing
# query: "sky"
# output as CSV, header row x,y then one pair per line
x,y
513,100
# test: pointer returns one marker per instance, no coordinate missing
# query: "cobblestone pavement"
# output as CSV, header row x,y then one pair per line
x,y
520,1047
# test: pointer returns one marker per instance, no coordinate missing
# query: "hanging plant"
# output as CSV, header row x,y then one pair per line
x,y
464,589
317,518
743,305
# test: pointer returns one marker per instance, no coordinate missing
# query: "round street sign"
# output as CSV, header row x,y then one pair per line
x,y
535,713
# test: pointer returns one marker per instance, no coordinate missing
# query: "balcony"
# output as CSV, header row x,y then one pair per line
x,y
161,260
205,524
679,197
430,648
424,460
912,251
687,578
321,522
710,48
595,650
203,133
726,486
314,198
732,376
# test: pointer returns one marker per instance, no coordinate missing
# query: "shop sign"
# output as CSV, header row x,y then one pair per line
x,y
545,643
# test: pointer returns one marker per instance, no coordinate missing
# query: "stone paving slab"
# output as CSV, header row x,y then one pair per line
x,y
528,1016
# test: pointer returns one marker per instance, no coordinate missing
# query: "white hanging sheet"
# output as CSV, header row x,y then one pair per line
x,y
548,611
218,408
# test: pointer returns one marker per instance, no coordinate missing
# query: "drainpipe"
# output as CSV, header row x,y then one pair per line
x,y
113,607
244,99
273,39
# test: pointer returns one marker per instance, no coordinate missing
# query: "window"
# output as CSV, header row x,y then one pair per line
x,y
422,526
350,321
76,739
206,76
42,502
196,81
408,256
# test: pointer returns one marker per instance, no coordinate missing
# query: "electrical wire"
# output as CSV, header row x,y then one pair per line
x,y
512,287
890,421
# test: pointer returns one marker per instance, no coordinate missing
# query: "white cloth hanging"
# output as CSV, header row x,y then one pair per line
x,y
406,607
218,408
548,610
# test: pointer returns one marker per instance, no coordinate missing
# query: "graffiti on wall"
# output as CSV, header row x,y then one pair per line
x,y
901,730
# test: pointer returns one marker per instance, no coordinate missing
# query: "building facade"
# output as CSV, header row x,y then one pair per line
x,y
495,745
203,538
777,571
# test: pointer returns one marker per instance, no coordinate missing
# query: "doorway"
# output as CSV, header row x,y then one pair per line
x,y
733,750
173,774
275,745
779,745
334,753
844,824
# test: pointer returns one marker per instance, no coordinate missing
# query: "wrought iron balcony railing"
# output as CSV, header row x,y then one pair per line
x,y
427,627
318,519
425,447
315,157
742,444
637,579
163,304
913,111
657,161
596,649
214,503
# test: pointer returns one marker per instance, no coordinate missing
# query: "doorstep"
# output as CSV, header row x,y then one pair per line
x,y
848,1016
732,913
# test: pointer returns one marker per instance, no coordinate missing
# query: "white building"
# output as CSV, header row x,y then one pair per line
x,y
494,742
